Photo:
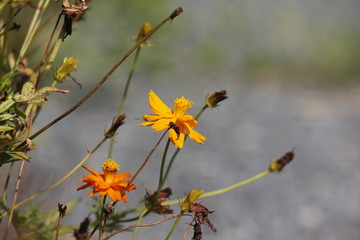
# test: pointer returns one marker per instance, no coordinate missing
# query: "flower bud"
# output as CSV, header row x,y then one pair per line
x,y
216,97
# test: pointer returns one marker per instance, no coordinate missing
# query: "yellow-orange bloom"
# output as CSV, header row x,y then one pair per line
x,y
164,116
108,183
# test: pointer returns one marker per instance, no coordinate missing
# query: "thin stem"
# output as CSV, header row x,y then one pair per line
x,y
178,149
40,9
137,223
123,99
141,225
175,225
146,160
188,229
61,180
14,199
4,42
224,190
58,227
102,81
161,176
101,226
4,195
46,53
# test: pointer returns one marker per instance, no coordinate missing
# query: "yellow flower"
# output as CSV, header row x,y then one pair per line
x,y
164,116
68,65
108,183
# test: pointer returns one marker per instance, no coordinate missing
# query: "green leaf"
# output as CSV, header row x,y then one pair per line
x,y
6,105
6,79
8,156
28,94
6,116
5,128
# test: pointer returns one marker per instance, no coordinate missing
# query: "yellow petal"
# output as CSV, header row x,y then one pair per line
x,y
158,106
161,124
178,141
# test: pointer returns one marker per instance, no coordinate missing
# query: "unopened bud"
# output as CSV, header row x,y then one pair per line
x,y
279,164
213,99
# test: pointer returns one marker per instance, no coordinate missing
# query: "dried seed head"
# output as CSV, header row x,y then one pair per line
x,y
108,210
115,125
176,13
62,209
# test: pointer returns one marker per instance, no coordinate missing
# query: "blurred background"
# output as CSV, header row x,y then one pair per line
x,y
291,69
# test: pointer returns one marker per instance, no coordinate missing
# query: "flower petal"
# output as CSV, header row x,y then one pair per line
x,y
161,124
158,106
114,195
121,176
177,140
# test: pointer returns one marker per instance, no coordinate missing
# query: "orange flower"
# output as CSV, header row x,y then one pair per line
x,y
108,182
164,115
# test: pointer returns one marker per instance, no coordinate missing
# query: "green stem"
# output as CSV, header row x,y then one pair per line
x,y
4,43
224,190
101,225
175,225
178,150
137,223
161,176
123,99
4,195
40,9
237,185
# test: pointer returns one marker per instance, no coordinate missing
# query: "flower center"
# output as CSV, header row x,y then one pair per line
x,y
181,105
110,168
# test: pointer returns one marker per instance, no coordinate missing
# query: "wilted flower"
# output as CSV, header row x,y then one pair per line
x,y
108,183
68,65
144,30
164,116
191,197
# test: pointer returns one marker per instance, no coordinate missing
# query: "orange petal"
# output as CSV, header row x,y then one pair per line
x,y
92,171
121,176
114,195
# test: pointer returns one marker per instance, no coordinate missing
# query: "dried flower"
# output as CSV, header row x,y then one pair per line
x,y
213,99
68,65
62,207
108,183
164,116
150,200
